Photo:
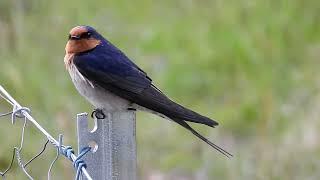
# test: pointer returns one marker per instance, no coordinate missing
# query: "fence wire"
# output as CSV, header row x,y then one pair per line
x,y
67,151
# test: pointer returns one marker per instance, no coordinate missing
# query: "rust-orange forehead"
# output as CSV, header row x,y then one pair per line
x,y
78,30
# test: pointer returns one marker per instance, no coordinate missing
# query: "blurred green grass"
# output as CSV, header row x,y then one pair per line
x,y
252,65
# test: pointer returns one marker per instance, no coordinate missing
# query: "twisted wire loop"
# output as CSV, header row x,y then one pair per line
x,y
23,112
18,112
20,162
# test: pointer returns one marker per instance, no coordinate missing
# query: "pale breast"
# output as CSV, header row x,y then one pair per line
x,y
97,96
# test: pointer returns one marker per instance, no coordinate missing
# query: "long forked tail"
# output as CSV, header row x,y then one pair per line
x,y
187,126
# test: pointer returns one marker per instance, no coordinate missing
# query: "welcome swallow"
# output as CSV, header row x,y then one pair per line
x,y
110,81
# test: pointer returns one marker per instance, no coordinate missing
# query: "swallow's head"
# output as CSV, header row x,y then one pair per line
x,y
82,39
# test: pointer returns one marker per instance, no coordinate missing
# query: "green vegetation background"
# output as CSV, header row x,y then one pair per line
x,y
251,65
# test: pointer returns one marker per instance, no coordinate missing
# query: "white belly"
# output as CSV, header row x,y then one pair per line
x,y
98,97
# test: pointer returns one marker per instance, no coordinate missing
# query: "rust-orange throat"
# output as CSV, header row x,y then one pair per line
x,y
79,41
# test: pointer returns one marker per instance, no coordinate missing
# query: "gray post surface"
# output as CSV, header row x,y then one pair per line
x,y
115,138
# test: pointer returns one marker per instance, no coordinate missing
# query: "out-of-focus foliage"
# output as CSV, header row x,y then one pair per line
x,y
252,65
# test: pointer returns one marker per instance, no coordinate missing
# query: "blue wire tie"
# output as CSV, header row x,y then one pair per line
x,y
79,163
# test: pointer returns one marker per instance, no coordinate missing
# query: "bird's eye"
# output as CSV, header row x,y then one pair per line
x,y
85,35
69,37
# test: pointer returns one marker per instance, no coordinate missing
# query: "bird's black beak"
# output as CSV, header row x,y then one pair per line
x,y
71,37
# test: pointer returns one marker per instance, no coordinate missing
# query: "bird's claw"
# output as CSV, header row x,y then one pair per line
x,y
98,113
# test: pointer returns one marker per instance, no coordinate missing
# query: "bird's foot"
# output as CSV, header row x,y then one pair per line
x,y
98,113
